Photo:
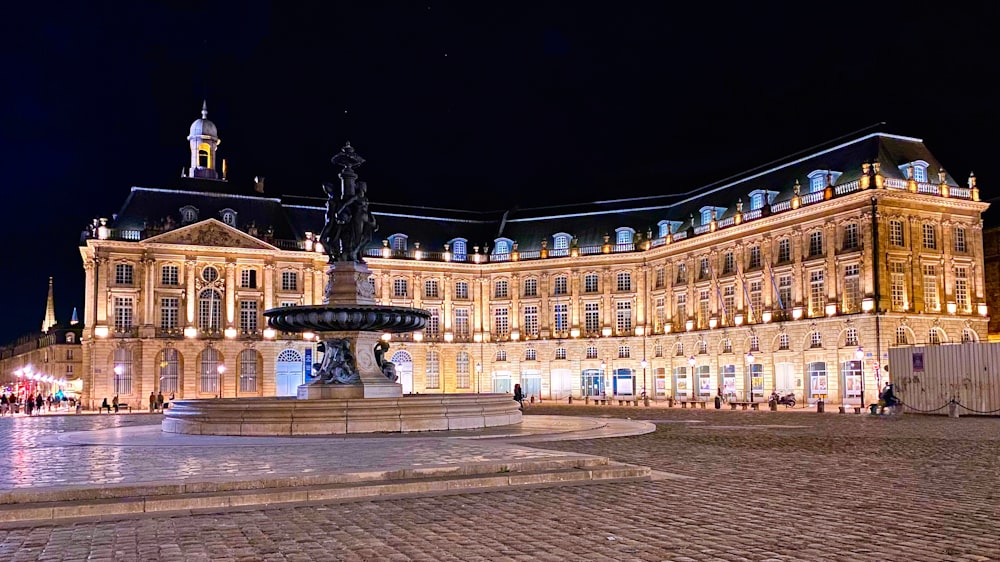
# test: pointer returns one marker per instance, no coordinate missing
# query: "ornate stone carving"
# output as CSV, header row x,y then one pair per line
x,y
210,233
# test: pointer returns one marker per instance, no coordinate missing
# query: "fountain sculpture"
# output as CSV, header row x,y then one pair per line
x,y
355,388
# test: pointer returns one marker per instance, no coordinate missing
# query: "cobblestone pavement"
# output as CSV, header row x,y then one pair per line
x,y
762,486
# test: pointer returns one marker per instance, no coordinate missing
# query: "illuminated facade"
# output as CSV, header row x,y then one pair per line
x,y
797,278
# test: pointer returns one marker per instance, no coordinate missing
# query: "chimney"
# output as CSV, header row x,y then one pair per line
x,y
258,184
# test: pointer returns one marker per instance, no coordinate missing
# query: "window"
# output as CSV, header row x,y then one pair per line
x,y
590,283
502,246
852,288
960,239
122,371
501,323
461,290
561,285
682,274
754,343
169,370
815,339
209,371
934,336
785,291
968,335
704,269
399,287
727,345
169,309
169,275
817,293
289,280
229,217
248,370
189,214
531,287
531,321
660,314
784,342
784,250
756,201
754,262
661,278
930,241
728,303
398,242
682,314
679,349
623,317
248,279
624,281
462,323
624,352
962,290
530,355
433,369
706,217
896,233
501,355
431,289
560,353
702,347
897,288
662,229
500,289
931,301
816,183
816,244
561,318
123,274
560,244
459,249
623,236
592,318
69,370
248,316
851,337
756,300
462,378
920,173
69,352
703,309
210,310
591,352
851,236
901,338
123,314
728,263
209,274
433,327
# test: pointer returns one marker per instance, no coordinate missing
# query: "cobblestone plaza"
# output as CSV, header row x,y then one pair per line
x,y
787,485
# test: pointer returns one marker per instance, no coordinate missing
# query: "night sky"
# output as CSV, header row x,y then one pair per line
x,y
459,105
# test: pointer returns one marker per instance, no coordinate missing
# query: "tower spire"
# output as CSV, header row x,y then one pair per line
x,y
50,310
204,109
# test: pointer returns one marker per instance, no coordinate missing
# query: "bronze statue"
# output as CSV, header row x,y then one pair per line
x,y
349,224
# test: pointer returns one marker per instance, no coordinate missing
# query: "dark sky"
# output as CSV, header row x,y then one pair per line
x,y
459,104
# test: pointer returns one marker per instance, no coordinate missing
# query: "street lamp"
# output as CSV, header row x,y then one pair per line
x,y
749,381
479,372
604,377
645,392
220,369
860,355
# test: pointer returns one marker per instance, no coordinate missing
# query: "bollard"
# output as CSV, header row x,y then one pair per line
x,y
571,399
952,409
718,403
820,406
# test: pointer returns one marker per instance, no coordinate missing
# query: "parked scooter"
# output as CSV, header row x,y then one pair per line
x,y
788,400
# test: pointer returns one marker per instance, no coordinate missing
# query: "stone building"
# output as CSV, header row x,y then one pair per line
x,y
796,277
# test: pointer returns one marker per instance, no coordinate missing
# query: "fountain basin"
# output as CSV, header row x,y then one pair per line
x,y
342,318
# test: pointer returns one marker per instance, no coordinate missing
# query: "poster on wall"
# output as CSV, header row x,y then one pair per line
x,y
918,362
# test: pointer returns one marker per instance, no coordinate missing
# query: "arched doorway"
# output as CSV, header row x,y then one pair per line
x,y
289,373
404,370
170,368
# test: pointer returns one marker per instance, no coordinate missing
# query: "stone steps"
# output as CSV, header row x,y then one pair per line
x,y
24,507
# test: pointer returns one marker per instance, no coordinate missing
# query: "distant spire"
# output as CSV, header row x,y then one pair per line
x,y
204,109
74,320
50,310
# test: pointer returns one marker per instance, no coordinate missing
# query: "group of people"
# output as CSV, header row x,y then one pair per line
x,y
33,404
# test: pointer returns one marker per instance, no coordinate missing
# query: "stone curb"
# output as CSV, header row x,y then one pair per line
x,y
115,503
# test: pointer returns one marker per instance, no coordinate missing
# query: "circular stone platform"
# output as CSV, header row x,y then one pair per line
x,y
290,416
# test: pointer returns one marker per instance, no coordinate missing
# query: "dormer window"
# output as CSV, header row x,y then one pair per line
x,y
624,235
662,229
502,245
229,217
459,247
560,244
707,214
398,242
189,214
70,337
818,179
756,201
916,170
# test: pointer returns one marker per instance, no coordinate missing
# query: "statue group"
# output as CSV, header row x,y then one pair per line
x,y
349,224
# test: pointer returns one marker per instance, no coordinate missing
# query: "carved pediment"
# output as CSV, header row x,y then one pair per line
x,y
210,232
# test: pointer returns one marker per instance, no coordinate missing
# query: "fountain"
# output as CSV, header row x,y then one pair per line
x,y
355,388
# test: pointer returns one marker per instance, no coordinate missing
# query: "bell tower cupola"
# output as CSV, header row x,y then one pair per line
x,y
204,141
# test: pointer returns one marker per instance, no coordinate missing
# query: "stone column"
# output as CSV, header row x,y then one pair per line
x,y
191,296
102,269
230,287
268,285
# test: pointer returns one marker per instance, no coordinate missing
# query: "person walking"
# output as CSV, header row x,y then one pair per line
x,y
39,403
3,404
159,401
519,397
114,403
152,401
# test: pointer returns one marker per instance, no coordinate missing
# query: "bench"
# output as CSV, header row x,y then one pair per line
x,y
694,403
628,402
754,405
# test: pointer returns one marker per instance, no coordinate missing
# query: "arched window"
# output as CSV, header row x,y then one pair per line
x,y
968,335
249,369
209,371
560,244
210,311
816,339
70,337
122,371
170,368
624,235
851,337
459,247
501,355
189,214
229,217
591,352
462,378
433,369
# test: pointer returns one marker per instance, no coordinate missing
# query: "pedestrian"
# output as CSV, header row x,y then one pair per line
x,y
3,404
39,403
152,401
114,403
519,397
29,405
105,406
159,401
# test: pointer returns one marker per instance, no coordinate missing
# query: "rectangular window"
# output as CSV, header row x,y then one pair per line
x,y
590,283
817,293
69,354
785,291
930,239
895,233
560,353
960,239
962,289
561,317
462,378
123,274
561,285
399,287
897,277
461,290
248,370
623,317
592,318
852,288
500,290
433,369
431,289
816,244
624,281
682,314
289,280
931,301
248,316
661,277
784,250
531,321
728,304
728,264
703,309
169,308
754,262
433,327
123,314
851,236
531,287
501,323
682,274
660,314
462,323
248,279
756,300
704,269
169,275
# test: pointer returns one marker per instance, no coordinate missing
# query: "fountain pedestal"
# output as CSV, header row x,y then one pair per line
x,y
371,383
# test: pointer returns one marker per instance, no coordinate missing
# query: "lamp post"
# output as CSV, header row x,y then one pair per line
x,y
750,359
221,369
604,378
479,372
119,370
645,392
860,356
